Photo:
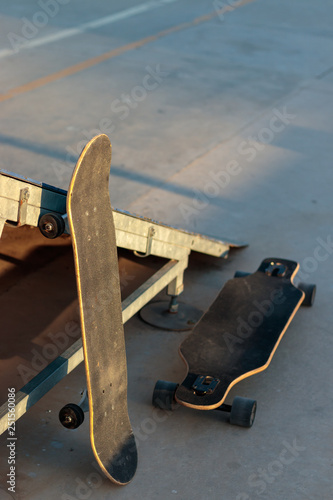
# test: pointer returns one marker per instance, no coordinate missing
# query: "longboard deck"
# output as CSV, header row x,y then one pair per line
x,y
94,244
239,334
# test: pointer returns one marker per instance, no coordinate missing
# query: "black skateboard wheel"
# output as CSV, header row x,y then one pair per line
x,y
71,416
164,395
51,225
310,293
241,274
243,412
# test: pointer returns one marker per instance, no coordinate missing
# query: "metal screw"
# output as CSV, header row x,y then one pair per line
x,y
173,306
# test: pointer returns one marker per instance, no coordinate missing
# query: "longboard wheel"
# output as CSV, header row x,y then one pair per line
x,y
71,416
241,274
243,411
310,293
51,225
164,395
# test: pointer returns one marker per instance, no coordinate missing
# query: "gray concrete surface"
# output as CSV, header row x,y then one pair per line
x,y
234,141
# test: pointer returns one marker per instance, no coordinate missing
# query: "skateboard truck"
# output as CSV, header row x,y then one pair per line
x,y
276,269
204,384
242,412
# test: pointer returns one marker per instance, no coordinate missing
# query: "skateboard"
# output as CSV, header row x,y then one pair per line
x,y
237,338
96,265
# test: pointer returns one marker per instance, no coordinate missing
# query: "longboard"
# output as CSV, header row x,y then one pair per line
x,y
96,266
237,338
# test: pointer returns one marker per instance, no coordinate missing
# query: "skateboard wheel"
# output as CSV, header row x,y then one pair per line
x,y
310,293
71,416
243,412
241,274
51,225
164,395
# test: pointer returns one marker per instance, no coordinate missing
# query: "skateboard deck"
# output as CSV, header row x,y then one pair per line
x,y
240,333
96,266
237,338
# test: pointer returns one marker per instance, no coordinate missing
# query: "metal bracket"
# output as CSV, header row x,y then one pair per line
x,y
151,233
205,385
2,225
276,269
23,207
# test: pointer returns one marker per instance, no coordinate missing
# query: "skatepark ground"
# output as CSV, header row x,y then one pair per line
x,y
220,115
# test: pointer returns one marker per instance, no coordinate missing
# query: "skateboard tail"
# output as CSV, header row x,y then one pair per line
x,y
116,468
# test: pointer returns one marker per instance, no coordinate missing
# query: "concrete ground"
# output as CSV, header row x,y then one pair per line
x,y
221,117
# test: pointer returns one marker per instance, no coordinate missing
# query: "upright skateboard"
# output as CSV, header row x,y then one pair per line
x,y
94,244
237,338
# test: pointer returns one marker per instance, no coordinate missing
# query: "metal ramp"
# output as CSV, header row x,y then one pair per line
x,y
24,201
